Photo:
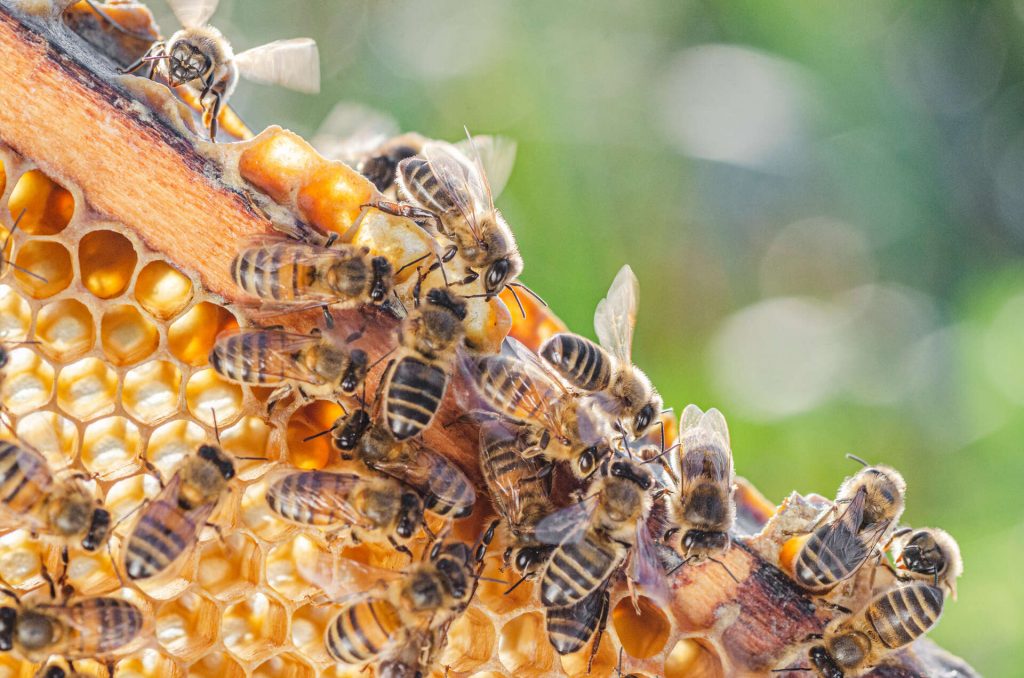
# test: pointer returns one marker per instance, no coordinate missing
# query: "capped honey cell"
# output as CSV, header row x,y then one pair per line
x,y
43,268
126,336
86,389
191,336
254,628
48,207
162,290
151,392
106,260
65,330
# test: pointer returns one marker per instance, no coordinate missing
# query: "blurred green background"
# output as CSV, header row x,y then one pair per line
x,y
824,203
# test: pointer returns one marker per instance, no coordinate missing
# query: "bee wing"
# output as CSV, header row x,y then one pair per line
x,y
615,316
495,156
193,13
431,474
714,421
845,543
343,579
458,177
567,524
353,130
534,394
115,627
314,498
294,64
277,362
646,571
505,488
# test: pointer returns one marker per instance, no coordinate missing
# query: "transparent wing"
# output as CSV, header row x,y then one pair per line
x,y
294,64
615,316
568,524
432,474
840,536
646,571
457,178
714,421
277,359
193,13
495,156
690,418
324,496
516,389
343,579
81,616
704,457
352,130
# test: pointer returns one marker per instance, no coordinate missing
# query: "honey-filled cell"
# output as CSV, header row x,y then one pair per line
x,y
170,443
27,383
111,447
254,628
151,392
106,261
216,665
191,336
230,568
52,435
12,667
471,642
162,290
48,206
44,268
64,330
187,626
691,658
86,389
643,630
126,336
287,665
304,450
213,400
15,315
523,648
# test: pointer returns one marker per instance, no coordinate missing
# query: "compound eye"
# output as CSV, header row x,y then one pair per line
x,y
496,274
586,462
643,419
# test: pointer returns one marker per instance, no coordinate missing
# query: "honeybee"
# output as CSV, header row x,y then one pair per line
x,y
837,548
595,536
200,57
297,275
445,489
705,511
520,490
451,188
891,620
928,554
337,501
570,628
168,527
519,387
33,498
92,628
55,671
316,365
606,370
417,379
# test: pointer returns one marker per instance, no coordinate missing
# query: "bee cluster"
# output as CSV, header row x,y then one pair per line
x,y
594,485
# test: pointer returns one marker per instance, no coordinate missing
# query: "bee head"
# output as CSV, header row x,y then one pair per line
x,y
529,558
356,372
35,631
349,430
99,528
55,672
410,515
630,471
424,591
186,62
442,298
825,665
848,650
382,280
922,554
452,567
643,419
705,541
74,513
8,622
221,461
590,459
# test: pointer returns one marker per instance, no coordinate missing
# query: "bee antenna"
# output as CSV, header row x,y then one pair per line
x,y
216,430
493,580
400,302
854,457
518,303
724,567
528,291
661,454
412,263
7,240
376,362
521,580
796,668
318,435
156,57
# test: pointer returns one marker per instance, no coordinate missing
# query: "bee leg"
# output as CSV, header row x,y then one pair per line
x,y
44,572
331,239
148,465
401,548
110,668
220,533
328,318
834,607
63,579
400,209
154,50
214,113
278,394
601,626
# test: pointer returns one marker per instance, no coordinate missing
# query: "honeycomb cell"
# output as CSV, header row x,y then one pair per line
x,y
146,664
126,495
48,206
254,628
187,626
28,384
289,571
111,448
691,658
471,641
524,649
151,391
51,434
206,394
304,451
106,261
12,667
171,443
126,336
162,290
277,162
249,442
20,560
258,517
230,568
44,268
65,330
308,625
91,573
642,633
191,336
333,196
287,665
605,662
15,315
216,665
493,595
86,389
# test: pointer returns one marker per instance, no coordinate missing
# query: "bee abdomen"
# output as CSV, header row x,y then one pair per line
x,y
239,357
905,613
421,184
569,628
452,492
820,567
575,570
294,497
414,394
580,361
117,622
272,273
19,469
361,631
160,537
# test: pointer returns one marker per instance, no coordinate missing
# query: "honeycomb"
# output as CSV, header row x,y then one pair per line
x,y
108,375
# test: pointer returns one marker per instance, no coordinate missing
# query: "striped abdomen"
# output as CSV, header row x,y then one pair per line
x,y
250,357
310,497
275,272
414,394
99,626
506,472
423,188
580,361
162,535
509,387
362,631
905,613
449,491
570,628
831,554
576,569
25,478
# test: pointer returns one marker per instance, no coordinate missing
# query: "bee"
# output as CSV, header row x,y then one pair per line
x,y
198,56
54,671
891,620
570,628
316,365
522,389
297,275
168,527
33,498
706,510
445,489
595,536
607,370
928,554
336,501
417,379
92,628
405,605
837,548
520,490
451,188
